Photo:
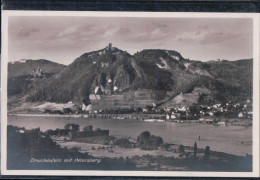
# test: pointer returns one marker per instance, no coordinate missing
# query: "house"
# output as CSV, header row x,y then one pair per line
x,y
209,120
145,110
83,107
236,105
167,109
115,88
202,119
173,116
157,110
216,105
89,107
182,109
240,115
222,122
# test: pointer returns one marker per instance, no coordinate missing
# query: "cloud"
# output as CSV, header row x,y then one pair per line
x,y
23,32
217,37
110,32
196,36
68,31
64,38
123,31
161,25
85,32
206,37
203,27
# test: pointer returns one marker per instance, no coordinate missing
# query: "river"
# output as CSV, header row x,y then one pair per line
x,y
235,140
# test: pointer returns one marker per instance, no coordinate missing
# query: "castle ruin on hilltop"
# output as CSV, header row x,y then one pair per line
x,y
109,47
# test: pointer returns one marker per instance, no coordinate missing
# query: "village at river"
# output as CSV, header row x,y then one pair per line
x,y
224,129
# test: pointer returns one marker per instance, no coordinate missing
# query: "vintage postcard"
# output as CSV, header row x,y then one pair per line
x,y
130,94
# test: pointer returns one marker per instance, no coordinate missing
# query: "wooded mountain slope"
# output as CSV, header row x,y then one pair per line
x,y
113,71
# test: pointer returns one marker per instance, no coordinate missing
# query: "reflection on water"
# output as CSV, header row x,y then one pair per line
x,y
230,139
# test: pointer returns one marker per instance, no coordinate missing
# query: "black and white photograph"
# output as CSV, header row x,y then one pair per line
x,y
130,93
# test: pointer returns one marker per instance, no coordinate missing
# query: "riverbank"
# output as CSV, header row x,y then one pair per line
x,y
161,159
161,156
101,151
147,118
230,139
48,115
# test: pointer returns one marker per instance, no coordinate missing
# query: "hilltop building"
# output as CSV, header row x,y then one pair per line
x,y
37,72
109,47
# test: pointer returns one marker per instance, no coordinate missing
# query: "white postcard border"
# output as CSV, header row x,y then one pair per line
x,y
256,39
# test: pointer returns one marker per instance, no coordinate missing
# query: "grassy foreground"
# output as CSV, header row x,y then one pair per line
x,y
35,150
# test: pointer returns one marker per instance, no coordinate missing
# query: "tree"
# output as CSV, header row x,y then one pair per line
x,y
143,137
72,127
124,142
207,150
166,146
201,97
195,149
195,109
155,141
148,141
88,128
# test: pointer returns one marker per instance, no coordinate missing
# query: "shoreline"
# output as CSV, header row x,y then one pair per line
x,y
138,117
84,121
46,115
169,159
86,147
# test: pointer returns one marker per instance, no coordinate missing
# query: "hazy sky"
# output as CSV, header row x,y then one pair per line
x,y
62,39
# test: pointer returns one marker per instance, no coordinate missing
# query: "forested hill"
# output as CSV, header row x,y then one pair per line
x,y
24,75
26,67
113,71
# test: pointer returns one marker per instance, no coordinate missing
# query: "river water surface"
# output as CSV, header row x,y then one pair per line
x,y
235,140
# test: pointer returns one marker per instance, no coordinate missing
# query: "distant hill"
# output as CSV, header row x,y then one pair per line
x,y
235,77
24,75
26,67
111,71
